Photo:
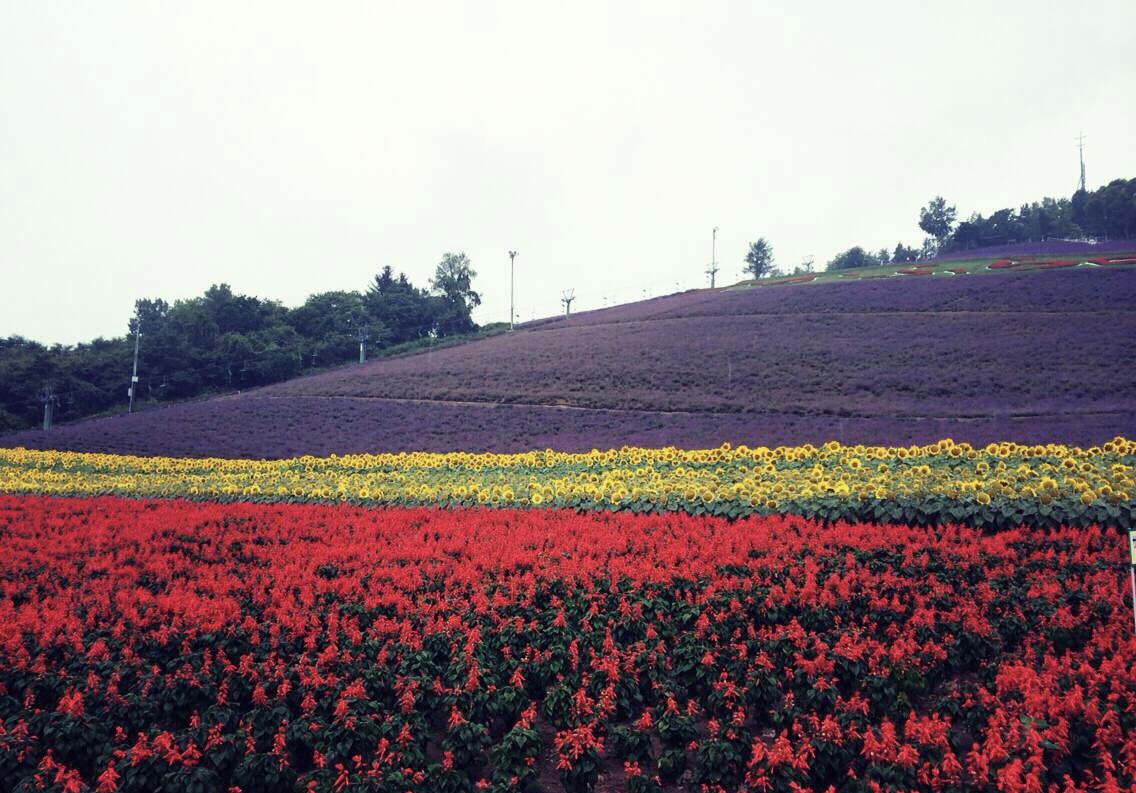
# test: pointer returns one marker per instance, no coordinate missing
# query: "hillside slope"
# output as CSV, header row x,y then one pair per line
x,y
1029,357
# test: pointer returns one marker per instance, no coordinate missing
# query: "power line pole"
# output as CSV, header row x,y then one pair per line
x,y
512,313
363,335
569,296
1081,153
712,270
134,373
48,397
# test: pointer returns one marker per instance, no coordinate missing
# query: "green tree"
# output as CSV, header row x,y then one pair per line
x,y
967,235
852,258
25,367
151,314
326,313
1108,212
453,286
904,254
405,311
330,326
937,219
759,259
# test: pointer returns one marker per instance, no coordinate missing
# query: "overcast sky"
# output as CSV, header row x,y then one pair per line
x,y
153,149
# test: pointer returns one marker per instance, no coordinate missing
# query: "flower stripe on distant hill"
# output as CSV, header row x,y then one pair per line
x,y
995,486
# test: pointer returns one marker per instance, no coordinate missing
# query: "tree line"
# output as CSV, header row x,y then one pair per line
x,y
1109,212
223,341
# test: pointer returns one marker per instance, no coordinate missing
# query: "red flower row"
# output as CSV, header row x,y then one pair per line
x,y
1050,264
176,645
796,279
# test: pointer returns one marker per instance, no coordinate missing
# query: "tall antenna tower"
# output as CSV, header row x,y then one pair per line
x,y
712,270
569,296
1081,152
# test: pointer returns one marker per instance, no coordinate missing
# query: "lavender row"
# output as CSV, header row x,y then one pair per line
x,y
251,426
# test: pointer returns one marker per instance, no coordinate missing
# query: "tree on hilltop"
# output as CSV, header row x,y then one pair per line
x,y
453,281
904,254
851,259
403,309
334,323
759,260
937,219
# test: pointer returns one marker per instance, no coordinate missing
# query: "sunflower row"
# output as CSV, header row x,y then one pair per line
x,y
996,485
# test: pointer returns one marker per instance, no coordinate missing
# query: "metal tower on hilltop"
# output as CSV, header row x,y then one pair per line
x,y
1081,153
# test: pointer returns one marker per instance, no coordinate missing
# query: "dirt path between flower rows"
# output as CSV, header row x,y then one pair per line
x,y
706,413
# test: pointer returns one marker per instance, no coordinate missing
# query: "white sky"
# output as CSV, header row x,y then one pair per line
x,y
152,149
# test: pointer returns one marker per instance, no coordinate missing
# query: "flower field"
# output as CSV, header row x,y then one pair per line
x,y
198,646
1029,357
243,595
1054,264
996,486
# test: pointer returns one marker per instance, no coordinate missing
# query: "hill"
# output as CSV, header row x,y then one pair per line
x,y
1027,356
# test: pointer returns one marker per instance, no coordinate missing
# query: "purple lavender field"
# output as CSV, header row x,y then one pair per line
x,y
1028,357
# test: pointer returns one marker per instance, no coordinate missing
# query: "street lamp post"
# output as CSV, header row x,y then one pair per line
x,y
712,270
512,313
714,249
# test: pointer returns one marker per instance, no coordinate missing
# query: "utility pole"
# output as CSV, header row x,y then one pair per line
x,y
712,270
48,397
569,296
134,373
1081,153
363,335
512,313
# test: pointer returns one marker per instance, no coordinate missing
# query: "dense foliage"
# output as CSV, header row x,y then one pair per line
x,y
1081,250
856,257
170,646
1107,213
224,341
994,487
